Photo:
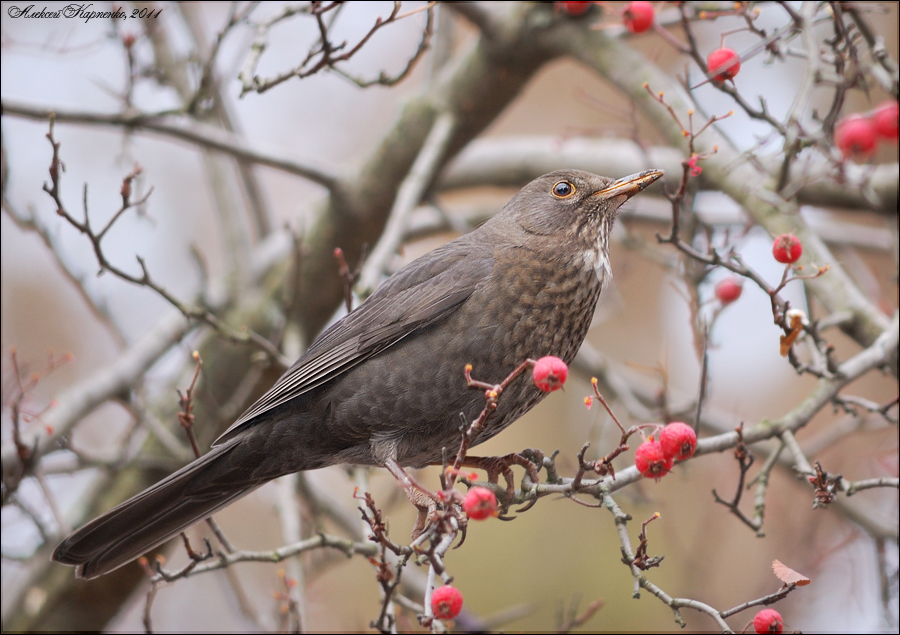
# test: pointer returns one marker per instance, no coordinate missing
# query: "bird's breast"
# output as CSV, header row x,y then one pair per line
x,y
545,305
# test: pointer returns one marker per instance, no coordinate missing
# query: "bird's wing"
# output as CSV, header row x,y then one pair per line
x,y
420,294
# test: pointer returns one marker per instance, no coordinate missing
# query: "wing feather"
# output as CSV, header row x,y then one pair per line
x,y
417,296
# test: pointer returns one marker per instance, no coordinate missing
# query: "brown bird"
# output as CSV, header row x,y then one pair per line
x,y
385,385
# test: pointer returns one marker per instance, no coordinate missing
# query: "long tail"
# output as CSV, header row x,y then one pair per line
x,y
152,517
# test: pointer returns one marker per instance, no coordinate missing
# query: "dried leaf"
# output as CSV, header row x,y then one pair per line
x,y
788,575
788,340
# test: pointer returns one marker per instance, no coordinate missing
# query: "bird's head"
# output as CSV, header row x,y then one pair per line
x,y
574,208
568,201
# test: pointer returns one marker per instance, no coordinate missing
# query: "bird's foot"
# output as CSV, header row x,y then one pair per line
x,y
427,507
531,460
436,511
434,507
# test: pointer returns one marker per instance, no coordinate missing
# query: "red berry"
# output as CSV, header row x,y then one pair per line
x,y
549,373
768,621
651,461
787,249
678,441
855,136
729,290
480,503
725,62
575,8
446,602
886,119
638,16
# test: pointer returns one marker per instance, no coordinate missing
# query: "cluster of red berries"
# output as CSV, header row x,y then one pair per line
x,y
787,249
655,458
858,135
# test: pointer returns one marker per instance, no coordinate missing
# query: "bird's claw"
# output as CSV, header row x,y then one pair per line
x,y
427,507
434,509
497,465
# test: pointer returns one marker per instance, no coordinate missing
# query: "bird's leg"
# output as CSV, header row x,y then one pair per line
x,y
497,465
426,502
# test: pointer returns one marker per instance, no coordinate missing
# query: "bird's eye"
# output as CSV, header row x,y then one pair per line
x,y
563,189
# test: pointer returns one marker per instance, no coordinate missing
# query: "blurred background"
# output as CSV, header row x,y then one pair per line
x,y
203,231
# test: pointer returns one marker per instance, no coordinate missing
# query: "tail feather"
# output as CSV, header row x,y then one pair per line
x,y
157,514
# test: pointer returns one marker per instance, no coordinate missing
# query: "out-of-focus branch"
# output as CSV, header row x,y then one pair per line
x,y
289,519
889,77
421,175
220,173
202,135
117,380
113,381
97,306
511,161
478,14
514,161
211,84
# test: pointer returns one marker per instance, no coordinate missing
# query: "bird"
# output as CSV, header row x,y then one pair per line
x,y
384,385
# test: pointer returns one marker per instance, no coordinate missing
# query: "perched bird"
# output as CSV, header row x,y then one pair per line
x,y
385,384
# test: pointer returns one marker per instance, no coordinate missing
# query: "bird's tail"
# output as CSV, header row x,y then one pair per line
x,y
164,510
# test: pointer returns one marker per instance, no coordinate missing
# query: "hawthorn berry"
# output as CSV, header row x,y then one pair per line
x,y
725,62
575,8
638,16
855,136
886,120
787,248
678,441
768,621
446,602
549,373
728,290
651,461
480,503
